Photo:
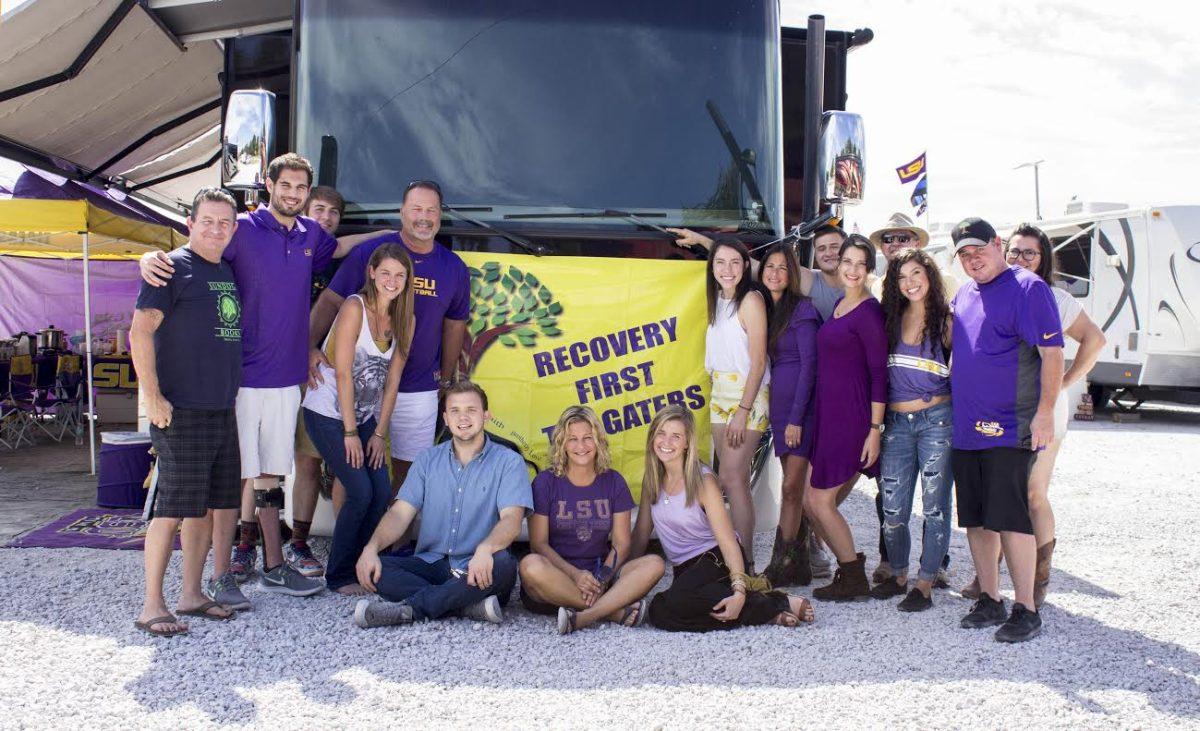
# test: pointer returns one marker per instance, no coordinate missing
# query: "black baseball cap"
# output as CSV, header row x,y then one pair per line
x,y
972,232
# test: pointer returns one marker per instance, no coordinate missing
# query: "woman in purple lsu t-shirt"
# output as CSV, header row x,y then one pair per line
x,y
580,533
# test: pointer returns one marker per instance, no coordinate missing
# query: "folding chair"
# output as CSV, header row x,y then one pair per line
x,y
68,396
18,409
45,398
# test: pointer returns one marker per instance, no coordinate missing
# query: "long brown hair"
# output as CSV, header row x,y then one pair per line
x,y
781,311
744,285
937,310
655,471
1048,263
400,312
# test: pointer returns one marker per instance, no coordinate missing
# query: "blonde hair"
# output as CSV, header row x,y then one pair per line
x,y
558,440
655,472
401,309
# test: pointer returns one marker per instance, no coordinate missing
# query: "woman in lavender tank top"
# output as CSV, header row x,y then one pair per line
x,y
851,396
919,425
579,531
792,345
710,589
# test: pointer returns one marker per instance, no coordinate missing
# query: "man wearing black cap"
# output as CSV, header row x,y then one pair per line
x,y
1008,368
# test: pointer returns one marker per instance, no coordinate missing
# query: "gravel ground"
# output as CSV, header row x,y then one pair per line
x,y
1120,649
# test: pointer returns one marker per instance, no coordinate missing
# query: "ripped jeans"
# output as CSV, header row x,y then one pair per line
x,y
917,444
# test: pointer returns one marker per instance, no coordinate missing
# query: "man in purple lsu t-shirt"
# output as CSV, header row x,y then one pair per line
x,y
1006,371
273,254
442,302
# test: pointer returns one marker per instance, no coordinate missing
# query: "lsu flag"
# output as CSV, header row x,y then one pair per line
x,y
912,170
622,336
920,195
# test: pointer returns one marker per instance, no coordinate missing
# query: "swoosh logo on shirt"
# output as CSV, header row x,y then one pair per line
x,y
1047,336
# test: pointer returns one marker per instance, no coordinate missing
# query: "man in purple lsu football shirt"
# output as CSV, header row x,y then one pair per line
x,y
1006,371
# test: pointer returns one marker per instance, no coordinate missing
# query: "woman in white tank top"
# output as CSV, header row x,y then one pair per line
x,y
367,345
735,357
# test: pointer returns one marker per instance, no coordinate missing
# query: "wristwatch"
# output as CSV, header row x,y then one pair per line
x,y
878,427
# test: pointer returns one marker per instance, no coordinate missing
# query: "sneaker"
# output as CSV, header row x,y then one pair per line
x,y
887,590
301,557
914,602
818,560
241,565
985,612
224,590
284,579
487,610
1022,625
368,613
942,580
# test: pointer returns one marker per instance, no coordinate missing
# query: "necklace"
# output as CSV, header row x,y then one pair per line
x,y
667,495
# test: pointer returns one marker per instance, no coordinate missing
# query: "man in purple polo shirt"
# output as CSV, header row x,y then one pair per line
x,y
273,254
1007,368
442,301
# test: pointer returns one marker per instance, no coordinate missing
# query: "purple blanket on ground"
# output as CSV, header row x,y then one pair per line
x,y
90,528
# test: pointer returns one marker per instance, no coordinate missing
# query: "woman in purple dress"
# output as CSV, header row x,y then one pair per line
x,y
851,396
792,345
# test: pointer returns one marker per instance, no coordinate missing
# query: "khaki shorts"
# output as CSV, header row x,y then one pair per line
x,y
304,445
727,390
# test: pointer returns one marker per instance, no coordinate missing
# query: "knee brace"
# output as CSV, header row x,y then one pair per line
x,y
272,498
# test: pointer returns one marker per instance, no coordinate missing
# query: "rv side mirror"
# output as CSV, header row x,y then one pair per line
x,y
248,139
841,158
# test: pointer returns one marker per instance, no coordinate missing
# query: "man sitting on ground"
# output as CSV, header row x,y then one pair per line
x,y
187,348
472,494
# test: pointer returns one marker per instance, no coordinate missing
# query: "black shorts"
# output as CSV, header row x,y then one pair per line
x,y
199,465
992,488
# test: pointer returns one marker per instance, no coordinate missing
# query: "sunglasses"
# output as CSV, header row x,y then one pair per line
x,y
1026,254
897,238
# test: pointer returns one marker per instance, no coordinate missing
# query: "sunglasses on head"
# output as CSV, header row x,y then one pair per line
x,y
897,238
430,184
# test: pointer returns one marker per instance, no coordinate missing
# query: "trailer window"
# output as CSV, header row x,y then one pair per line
x,y
1074,262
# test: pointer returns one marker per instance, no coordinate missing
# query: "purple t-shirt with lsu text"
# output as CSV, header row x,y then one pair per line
x,y
273,268
995,372
441,289
581,518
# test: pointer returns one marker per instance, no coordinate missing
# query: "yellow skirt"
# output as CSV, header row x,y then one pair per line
x,y
727,390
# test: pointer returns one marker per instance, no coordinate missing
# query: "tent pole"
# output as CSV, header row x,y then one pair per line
x,y
87,343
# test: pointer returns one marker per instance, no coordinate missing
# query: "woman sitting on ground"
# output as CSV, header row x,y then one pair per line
x,y
580,534
368,345
680,497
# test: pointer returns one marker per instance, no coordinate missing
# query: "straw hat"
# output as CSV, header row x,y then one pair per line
x,y
900,222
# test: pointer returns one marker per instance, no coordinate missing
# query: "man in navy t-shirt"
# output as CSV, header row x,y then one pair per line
x,y
1006,371
186,340
441,301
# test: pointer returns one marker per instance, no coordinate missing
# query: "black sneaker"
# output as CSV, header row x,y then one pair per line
x,y
1022,625
914,602
887,589
985,612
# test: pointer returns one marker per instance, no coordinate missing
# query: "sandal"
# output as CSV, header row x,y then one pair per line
x,y
635,614
203,613
566,620
148,626
786,619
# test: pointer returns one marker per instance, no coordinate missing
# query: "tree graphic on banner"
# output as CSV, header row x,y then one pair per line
x,y
509,306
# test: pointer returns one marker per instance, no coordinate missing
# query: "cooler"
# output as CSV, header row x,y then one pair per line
x,y
124,465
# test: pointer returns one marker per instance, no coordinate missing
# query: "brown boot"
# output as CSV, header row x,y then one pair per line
x,y
1041,575
849,583
775,567
972,591
801,559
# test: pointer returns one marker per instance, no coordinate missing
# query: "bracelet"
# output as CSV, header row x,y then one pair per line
x,y
380,436
350,433
741,406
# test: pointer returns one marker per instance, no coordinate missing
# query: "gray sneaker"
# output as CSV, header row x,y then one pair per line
x,y
818,560
224,590
283,579
487,610
369,613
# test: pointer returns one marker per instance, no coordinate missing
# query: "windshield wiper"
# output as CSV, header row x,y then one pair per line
x,y
739,160
524,243
637,219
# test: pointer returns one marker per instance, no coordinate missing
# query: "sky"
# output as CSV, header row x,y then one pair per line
x,y
1107,92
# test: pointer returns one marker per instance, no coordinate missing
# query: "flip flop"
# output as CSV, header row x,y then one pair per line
x,y
148,626
202,612
630,619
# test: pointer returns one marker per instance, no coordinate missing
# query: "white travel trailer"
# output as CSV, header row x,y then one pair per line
x,y
1136,271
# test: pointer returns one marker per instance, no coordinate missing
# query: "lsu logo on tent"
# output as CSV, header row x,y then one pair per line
x,y
989,428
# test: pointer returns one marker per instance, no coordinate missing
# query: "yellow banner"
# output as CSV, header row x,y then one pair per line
x,y
623,336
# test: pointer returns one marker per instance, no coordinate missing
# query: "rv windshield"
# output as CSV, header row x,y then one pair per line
x,y
532,106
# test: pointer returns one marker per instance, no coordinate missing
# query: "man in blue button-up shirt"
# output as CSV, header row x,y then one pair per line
x,y
472,495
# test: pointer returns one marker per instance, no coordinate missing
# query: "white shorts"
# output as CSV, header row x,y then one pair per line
x,y
266,420
414,421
